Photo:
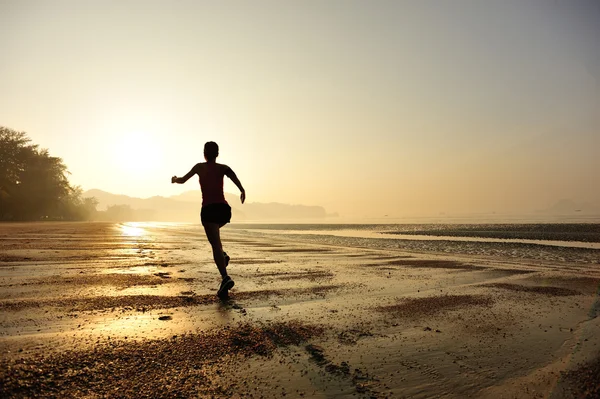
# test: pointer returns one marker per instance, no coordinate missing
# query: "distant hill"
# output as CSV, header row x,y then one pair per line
x,y
155,208
186,207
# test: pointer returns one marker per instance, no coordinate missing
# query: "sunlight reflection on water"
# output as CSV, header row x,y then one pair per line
x,y
145,325
132,230
134,270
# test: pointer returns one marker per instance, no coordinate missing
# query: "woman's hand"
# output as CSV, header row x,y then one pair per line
x,y
243,196
174,179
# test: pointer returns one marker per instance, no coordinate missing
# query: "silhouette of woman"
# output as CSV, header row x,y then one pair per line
x,y
216,212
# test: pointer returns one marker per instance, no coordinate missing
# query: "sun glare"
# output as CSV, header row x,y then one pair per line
x,y
132,230
138,152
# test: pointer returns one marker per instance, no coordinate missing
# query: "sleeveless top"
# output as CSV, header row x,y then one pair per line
x,y
211,183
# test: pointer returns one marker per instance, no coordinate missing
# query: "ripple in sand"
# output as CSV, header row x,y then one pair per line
x,y
254,261
13,258
550,291
590,285
128,302
148,302
428,264
310,276
121,280
414,307
299,250
319,290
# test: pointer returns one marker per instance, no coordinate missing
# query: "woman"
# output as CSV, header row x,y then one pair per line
x,y
216,212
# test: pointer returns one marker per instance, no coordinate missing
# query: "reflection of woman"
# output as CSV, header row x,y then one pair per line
x,y
216,212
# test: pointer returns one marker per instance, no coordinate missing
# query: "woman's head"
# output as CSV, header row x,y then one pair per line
x,y
211,151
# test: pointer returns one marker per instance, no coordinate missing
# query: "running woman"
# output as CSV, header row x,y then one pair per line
x,y
216,212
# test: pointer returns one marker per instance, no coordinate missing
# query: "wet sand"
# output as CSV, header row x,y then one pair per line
x,y
129,310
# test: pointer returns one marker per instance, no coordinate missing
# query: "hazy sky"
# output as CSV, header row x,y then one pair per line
x,y
365,107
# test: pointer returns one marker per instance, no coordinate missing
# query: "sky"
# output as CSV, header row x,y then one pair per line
x,y
368,108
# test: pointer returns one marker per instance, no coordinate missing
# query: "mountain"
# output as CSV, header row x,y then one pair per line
x,y
157,208
186,207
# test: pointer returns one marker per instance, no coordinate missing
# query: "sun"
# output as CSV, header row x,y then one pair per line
x,y
138,152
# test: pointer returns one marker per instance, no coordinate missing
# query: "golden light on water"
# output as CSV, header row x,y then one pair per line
x,y
132,230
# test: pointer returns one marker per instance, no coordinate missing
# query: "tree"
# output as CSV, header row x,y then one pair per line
x,y
34,185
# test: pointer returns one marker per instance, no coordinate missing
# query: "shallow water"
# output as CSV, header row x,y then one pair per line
x,y
419,237
585,232
448,239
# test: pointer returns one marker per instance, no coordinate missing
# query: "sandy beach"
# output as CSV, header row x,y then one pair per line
x,y
129,310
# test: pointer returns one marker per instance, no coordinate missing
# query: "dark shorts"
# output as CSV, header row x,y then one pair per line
x,y
216,213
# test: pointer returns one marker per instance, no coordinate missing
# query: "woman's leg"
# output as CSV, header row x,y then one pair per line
x,y
214,238
227,258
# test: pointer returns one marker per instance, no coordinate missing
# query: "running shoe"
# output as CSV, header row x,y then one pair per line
x,y
226,285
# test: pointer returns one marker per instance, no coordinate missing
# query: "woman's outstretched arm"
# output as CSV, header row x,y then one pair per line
x,y
231,174
181,180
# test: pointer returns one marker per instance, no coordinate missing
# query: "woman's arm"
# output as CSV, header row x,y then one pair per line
x,y
181,180
231,174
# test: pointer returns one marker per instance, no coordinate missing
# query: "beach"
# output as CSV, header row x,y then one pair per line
x,y
129,310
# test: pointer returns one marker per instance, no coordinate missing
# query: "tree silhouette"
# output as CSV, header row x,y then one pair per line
x,y
34,185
